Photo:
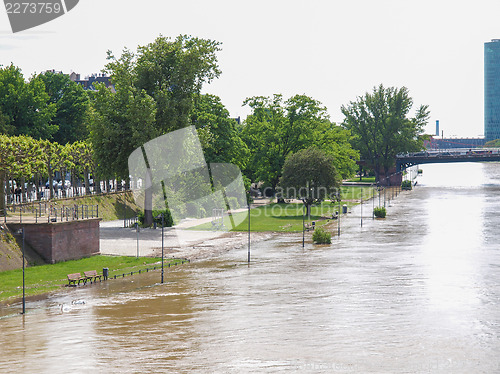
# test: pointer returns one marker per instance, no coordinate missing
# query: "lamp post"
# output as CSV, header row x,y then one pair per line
x,y
361,207
340,214
373,203
21,231
137,231
303,224
162,242
249,229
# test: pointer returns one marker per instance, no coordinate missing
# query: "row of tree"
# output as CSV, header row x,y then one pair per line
x,y
48,106
24,160
157,90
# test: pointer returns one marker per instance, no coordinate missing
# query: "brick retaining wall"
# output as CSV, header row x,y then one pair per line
x,y
62,241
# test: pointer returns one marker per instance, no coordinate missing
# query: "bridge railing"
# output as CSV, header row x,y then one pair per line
x,y
452,152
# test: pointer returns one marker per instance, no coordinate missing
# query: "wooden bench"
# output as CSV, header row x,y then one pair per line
x,y
92,276
309,227
75,277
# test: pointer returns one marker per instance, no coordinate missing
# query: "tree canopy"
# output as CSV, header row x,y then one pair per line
x,y
218,132
309,175
276,129
25,108
72,107
155,93
381,127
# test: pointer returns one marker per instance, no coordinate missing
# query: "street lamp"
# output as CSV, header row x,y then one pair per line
x,y
162,241
340,213
137,231
249,228
303,224
361,207
21,231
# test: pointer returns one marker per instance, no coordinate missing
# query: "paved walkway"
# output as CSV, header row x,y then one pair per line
x,y
179,241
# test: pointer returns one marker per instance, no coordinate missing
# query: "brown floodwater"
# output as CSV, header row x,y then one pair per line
x,y
418,292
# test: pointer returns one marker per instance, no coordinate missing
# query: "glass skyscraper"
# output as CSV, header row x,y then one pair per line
x,y
492,90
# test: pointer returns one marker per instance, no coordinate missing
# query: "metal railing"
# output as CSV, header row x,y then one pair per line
x,y
50,212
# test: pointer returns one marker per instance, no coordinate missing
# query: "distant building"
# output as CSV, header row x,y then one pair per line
x,y
492,90
448,143
88,82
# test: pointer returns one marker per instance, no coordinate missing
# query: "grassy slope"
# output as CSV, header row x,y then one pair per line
x,y
112,206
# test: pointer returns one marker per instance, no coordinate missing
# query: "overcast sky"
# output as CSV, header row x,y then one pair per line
x,y
330,50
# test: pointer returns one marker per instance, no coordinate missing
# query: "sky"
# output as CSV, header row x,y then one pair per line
x,y
332,51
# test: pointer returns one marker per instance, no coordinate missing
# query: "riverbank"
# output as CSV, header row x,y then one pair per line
x,y
185,241
44,279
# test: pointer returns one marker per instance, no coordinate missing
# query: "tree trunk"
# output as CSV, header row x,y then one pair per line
x,y
23,190
51,184
148,199
2,192
86,181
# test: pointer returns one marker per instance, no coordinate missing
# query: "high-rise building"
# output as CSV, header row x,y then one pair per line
x,y
492,90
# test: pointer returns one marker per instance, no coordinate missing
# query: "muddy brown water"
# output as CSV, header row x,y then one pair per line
x,y
418,292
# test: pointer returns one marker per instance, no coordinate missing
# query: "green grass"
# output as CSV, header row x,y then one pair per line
x,y
46,278
363,180
288,217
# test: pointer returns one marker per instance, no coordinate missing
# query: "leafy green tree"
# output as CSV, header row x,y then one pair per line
x,y
27,153
72,106
171,72
218,132
275,130
381,127
80,154
336,141
50,155
309,175
122,121
24,106
155,92
6,161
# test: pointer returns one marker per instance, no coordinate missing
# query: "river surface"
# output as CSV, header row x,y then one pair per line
x,y
418,292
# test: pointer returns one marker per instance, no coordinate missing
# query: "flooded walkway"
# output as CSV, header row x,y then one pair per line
x,y
418,292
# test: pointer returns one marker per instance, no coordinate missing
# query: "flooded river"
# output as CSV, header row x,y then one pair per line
x,y
418,292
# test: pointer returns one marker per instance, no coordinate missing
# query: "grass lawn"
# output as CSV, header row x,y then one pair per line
x,y
288,217
363,180
45,278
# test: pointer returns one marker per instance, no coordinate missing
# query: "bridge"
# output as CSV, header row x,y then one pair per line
x,y
445,156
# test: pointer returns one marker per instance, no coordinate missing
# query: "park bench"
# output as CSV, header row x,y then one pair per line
x,y
75,277
310,227
92,276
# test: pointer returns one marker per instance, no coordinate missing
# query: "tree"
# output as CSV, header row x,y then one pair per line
x,y
171,72
155,91
24,106
6,161
122,122
309,175
381,128
275,130
80,154
72,106
218,134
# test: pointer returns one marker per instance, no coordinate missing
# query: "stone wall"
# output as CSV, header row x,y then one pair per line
x,y
62,241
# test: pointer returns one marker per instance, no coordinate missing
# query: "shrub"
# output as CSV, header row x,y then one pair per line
x,y
167,218
406,185
380,212
321,236
233,202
